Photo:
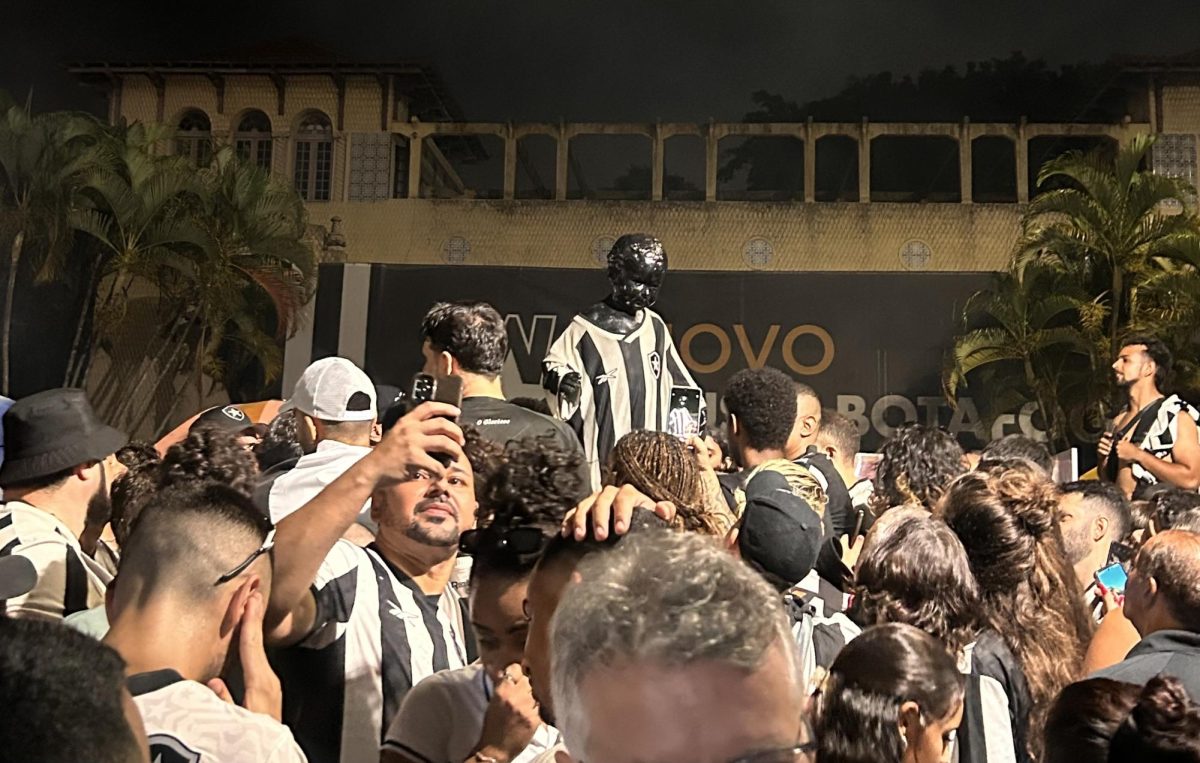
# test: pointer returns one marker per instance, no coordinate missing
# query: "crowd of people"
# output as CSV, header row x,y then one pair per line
x,y
366,579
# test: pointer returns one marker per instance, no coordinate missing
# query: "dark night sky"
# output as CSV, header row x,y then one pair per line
x,y
604,60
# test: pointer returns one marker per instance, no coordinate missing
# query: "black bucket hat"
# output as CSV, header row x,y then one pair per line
x,y
52,431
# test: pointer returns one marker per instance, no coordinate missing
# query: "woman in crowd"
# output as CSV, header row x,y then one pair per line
x,y
915,466
665,469
1004,514
894,695
916,572
1101,720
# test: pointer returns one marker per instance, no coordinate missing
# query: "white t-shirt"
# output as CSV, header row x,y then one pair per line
x,y
441,718
311,474
187,723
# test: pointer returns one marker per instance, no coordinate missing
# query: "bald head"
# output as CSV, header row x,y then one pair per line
x,y
183,542
1171,561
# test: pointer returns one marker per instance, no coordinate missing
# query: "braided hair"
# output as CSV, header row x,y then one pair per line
x,y
661,466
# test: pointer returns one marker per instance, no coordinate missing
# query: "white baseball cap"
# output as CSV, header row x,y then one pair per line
x,y
333,389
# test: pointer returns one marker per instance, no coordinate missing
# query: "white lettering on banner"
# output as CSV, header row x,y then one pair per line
x,y
931,404
885,403
965,418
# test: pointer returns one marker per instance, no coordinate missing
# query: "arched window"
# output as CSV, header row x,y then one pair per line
x,y
193,137
313,170
252,141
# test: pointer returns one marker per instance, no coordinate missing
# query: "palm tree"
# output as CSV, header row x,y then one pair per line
x,y
1026,346
138,209
1107,230
40,166
253,274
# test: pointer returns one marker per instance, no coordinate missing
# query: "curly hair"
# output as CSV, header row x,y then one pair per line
x,y
535,484
764,402
661,466
280,443
472,332
1099,720
1005,514
137,454
209,454
129,494
485,457
918,573
858,710
916,465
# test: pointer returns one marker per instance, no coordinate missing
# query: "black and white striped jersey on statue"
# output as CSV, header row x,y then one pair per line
x,y
376,636
625,381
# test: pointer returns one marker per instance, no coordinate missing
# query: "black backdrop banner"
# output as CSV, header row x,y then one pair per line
x,y
871,344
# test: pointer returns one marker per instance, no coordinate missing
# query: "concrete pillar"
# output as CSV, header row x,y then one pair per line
x,y
560,164
964,161
352,323
1022,164
710,162
657,164
510,164
810,162
414,165
864,163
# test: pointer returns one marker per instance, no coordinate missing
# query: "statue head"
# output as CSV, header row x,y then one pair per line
x,y
636,266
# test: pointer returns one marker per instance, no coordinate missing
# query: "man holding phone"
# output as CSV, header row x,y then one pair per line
x,y
1162,601
468,340
1092,517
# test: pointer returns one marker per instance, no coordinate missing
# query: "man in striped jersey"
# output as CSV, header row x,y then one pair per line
x,y
368,623
54,479
612,369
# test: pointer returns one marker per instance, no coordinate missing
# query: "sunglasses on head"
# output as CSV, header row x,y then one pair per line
x,y
516,540
267,544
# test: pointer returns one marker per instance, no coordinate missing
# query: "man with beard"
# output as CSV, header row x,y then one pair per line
x,y
1150,442
54,480
186,609
367,624
1092,516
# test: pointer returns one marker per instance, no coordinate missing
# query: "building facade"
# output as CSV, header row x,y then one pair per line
x,y
384,150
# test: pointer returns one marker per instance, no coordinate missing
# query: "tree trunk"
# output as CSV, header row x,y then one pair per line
x,y
72,376
180,341
169,370
1115,318
9,293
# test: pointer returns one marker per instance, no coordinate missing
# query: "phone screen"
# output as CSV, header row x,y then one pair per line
x,y
1120,552
1113,577
683,419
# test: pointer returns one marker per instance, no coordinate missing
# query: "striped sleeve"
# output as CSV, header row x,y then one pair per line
x,y
62,583
334,590
989,729
819,641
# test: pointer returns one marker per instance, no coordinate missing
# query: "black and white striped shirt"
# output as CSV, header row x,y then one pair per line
x,y
625,381
996,704
376,636
68,580
1161,436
